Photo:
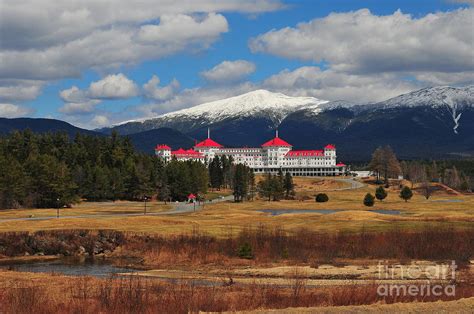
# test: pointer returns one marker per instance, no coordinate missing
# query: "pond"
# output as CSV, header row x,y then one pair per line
x,y
385,211
276,212
69,267
447,201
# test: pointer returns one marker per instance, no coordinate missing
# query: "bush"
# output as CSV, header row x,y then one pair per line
x,y
321,198
369,200
380,193
245,251
406,193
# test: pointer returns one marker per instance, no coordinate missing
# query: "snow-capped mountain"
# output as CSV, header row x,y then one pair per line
x,y
437,121
256,104
451,99
260,102
439,96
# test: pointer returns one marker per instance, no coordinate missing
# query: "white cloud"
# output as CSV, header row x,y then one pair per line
x,y
62,39
52,22
73,94
13,111
228,71
361,42
19,90
179,29
78,101
100,121
194,96
152,90
332,85
116,86
79,108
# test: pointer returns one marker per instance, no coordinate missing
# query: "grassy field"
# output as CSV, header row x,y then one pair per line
x,y
219,218
198,246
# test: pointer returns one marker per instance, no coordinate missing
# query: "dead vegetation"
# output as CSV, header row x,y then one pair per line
x,y
261,244
140,295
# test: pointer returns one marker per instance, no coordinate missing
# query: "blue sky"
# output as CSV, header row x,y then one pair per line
x,y
326,49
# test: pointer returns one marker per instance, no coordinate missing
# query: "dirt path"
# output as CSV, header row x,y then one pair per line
x,y
179,208
458,306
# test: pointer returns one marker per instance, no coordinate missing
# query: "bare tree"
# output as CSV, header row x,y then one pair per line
x,y
426,189
384,162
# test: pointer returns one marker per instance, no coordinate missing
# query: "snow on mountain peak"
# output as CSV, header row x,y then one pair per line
x,y
259,102
433,96
452,99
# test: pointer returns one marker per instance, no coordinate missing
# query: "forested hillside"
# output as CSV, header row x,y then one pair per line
x,y
49,170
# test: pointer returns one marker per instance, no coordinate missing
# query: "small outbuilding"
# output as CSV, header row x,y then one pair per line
x,y
191,198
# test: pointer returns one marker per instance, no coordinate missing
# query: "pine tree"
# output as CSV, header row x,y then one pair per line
x,y
265,187
276,187
380,193
216,173
251,184
288,185
369,200
240,182
13,183
406,193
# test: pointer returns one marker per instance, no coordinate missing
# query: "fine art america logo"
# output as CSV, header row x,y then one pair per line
x,y
425,280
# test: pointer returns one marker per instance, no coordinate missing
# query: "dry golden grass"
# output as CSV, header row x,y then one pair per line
x,y
219,218
465,305
89,208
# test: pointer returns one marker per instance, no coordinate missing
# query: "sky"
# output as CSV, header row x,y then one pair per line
x,y
95,63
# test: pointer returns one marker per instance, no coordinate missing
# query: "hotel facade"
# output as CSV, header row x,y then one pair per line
x,y
272,156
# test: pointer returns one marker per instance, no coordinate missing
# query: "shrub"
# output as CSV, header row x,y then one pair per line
x,y
406,193
245,251
322,197
380,193
369,200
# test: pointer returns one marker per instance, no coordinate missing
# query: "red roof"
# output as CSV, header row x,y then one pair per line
x,y
297,153
191,195
208,143
330,146
162,147
340,165
189,152
276,142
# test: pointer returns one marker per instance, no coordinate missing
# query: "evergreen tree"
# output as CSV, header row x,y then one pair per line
x,y
265,187
216,173
276,187
251,184
369,200
240,182
13,183
288,185
406,193
380,193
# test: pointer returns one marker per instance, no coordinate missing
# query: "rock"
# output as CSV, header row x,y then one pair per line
x,y
27,254
81,250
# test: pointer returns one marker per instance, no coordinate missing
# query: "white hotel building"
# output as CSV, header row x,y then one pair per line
x,y
272,156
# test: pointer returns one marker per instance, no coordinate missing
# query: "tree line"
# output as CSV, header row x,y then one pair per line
x,y
276,187
49,170
384,164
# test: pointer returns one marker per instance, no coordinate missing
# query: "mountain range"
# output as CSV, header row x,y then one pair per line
x,y
436,122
